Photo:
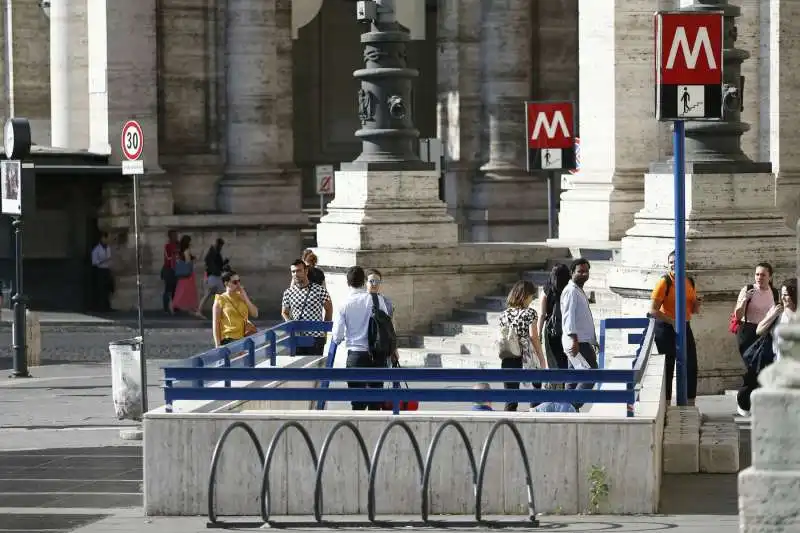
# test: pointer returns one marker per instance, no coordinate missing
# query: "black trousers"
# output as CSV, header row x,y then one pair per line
x,y
746,336
587,351
665,342
748,386
170,284
318,348
557,351
359,359
512,362
102,289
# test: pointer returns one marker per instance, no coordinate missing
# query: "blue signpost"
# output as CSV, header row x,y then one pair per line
x,y
689,86
679,169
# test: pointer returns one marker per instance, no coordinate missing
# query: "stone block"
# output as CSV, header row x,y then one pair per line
x,y
768,501
681,452
719,448
774,440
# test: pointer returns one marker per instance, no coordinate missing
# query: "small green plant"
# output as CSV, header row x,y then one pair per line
x,y
598,488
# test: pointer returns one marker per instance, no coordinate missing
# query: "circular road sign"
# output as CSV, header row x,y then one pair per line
x,y
132,140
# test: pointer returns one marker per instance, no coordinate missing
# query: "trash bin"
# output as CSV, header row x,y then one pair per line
x,y
126,378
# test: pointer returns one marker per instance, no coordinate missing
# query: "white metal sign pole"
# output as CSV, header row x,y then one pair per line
x,y
132,147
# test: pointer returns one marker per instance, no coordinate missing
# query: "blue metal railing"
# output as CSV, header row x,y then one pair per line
x,y
259,347
228,372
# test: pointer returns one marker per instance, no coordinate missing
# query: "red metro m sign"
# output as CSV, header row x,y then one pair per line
x,y
550,128
689,65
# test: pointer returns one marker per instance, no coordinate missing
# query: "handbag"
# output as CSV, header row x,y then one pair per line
x,y
183,269
733,324
249,327
410,405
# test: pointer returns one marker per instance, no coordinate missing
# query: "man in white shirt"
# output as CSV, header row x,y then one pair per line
x,y
351,324
103,281
577,324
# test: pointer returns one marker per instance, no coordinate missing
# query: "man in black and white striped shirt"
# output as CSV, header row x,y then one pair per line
x,y
304,300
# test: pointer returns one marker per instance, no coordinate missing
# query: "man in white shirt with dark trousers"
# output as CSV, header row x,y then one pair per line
x,y
578,336
351,325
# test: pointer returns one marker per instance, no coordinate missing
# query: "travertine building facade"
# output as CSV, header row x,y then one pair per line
x,y
240,99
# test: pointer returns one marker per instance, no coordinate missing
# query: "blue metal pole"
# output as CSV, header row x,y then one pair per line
x,y
679,136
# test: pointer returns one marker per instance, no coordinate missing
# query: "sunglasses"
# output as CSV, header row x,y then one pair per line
x,y
375,281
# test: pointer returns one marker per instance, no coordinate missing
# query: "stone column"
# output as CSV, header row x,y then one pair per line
x,y
69,76
619,136
259,174
782,19
459,105
507,203
770,488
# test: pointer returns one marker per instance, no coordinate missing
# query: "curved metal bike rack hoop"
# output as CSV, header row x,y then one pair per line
x,y
482,469
426,473
324,454
212,475
376,455
265,495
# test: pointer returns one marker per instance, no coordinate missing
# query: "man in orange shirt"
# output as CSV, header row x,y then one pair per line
x,y
662,308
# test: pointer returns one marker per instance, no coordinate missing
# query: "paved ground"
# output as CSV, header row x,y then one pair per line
x,y
64,468
68,337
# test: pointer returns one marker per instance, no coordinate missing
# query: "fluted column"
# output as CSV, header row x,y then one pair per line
x,y
459,105
783,97
619,136
69,80
259,172
507,203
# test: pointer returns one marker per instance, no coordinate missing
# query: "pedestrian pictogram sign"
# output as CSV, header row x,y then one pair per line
x,y
132,140
550,128
689,65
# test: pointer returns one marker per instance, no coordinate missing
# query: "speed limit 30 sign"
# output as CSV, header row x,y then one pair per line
x,y
132,140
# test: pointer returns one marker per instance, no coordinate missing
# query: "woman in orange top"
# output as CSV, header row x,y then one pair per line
x,y
662,308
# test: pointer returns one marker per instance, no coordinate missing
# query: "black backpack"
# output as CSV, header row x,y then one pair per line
x,y
553,323
380,331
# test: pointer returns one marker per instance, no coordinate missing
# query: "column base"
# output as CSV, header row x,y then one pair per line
x,y
597,208
195,180
731,226
508,209
375,210
260,191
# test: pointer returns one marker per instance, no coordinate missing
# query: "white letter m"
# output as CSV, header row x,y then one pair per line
x,y
550,128
691,55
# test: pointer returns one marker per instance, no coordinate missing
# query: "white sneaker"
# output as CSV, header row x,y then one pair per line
x,y
742,412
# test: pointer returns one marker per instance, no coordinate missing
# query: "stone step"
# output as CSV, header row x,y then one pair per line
x,y
719,447
681,451
425,358
492,302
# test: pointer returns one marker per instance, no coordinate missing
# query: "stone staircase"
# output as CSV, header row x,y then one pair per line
x,y
465,338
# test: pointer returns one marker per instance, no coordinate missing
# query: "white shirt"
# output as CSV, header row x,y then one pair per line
x,y
786,317
576,317
101,256
352,319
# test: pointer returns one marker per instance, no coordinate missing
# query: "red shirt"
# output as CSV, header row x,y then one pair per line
x,y
170,255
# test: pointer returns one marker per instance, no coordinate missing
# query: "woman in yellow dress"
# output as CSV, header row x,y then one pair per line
x,y
232,311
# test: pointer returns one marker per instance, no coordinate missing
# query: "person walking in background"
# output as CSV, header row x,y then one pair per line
x,y
662,309
215,264
232,310
315,274
549,323
168,270
375,286
305,300
186,290
578,337
102,279
754,302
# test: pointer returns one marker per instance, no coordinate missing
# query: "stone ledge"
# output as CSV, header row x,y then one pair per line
x,y
768,501
719,448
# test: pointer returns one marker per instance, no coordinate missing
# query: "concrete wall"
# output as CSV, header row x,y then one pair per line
x,y
562,451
